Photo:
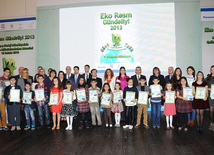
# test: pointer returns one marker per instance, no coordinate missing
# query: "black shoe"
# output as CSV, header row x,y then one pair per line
x,y
81,125
40,126
86,125
93,126
99,126
48,126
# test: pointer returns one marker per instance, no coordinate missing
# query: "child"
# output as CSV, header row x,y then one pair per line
x,y
83,106
183,105
117,107
130,109
156,105
200,104
169,108
141,107
94,107
13,107
69,110
29,108
56,87
3,118
191,73
43,105
107,109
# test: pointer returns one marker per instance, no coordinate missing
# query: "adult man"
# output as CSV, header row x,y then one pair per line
x,y
168,77
68,73
75,78
87,76
42,72
137,76
94,76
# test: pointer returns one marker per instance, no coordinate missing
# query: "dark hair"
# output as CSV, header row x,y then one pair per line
x,y
87,66
165,89
62,74
83,85
137,67
53,71
39,75
109,90
27,83
197,76
12,77
190,67
93,80
93,70
142,78
156,68
209,75
180,85
119,84
60,86
39,67
174,76
6,69
77,67
120,73
70,83
155,78
129,79
35,77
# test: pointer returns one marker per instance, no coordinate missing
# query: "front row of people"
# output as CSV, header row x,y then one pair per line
x,y
179,106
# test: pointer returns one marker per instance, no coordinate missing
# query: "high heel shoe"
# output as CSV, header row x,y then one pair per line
x,y
53,128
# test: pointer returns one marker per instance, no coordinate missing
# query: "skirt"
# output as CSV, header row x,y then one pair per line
x,y
56,108
169,109
68,110
117,108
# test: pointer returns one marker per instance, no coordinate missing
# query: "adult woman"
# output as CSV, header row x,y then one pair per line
x,y
61,76
50,78
109,78
157,73
122,78
176,77
24,79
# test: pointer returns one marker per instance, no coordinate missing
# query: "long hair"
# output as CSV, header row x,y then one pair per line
x,y
165,89
156,68
62,74
106,76
70,83
191,67
209,75
120,72
60,86
118,84
109,90
197,76
180,85
174,77
53,71
79,85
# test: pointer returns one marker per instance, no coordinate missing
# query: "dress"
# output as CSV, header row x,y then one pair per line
x,y
56,108
83,107
69,109
200,103
183,106
118,107
169,108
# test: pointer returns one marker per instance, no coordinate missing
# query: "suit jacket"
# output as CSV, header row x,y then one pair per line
x,y
135,81
75,83
146,88
67,75
64,83
99,82
161,80
89,78
167,78
7,93
21,83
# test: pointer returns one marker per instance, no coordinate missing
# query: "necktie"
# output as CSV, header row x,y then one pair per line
x,y
86,77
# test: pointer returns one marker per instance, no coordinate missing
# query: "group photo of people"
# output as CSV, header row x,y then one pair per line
x,y
117,100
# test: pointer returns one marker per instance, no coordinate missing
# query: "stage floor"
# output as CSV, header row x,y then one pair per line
x,y
98,141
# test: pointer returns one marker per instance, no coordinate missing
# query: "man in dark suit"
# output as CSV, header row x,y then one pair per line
x,y
68,73
87,76
168,77
137,76
75,78
94,76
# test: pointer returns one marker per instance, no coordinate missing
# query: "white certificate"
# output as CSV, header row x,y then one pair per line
x,y
14,95
81,96
212,92
187,93
190,80
39,94
7,83
106,99
130,97
200,93
170,97
143,97
93,96
117,96
67,97
156,90
27,97
1,92
54,98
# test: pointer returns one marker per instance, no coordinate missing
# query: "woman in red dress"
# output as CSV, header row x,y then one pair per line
x,y
56,87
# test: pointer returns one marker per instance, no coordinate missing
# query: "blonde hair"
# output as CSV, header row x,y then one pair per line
x,y
25,70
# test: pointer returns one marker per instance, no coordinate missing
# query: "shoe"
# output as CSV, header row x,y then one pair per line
x,y
185,129
180,128
67,128
70,127
99,126
189,122
158,127
172,127
130,127
93,126
5,128
167,127
211,126
146,126
1,128
26,127
137,126
81,125
48,126
32,127
18,128
192,123
106,125
154,126
110,125
86,125
12,128
125,126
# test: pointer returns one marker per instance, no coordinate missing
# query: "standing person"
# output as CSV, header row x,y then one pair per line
x,y
210,80
122,78
169,108
35,82
107,109
24,79
6,76
68,73
141,107
20,73
75,78
87,75
49,72
200,104
95,107
83,106
170,72
109,78
191,73
183,105
42,72
94,76
117,107
56,87
43,105
156,104
49,79
61,76
69,110
137,76
13,107
157,73
3,120
176,77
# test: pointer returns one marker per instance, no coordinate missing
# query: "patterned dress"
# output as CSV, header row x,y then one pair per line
x,y
83,107
118,107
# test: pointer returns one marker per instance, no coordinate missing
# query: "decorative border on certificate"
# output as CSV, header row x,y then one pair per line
x,y
67,97
29,97
143,99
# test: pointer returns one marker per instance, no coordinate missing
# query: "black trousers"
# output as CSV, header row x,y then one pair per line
x,y
83,116
183,119
130,114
